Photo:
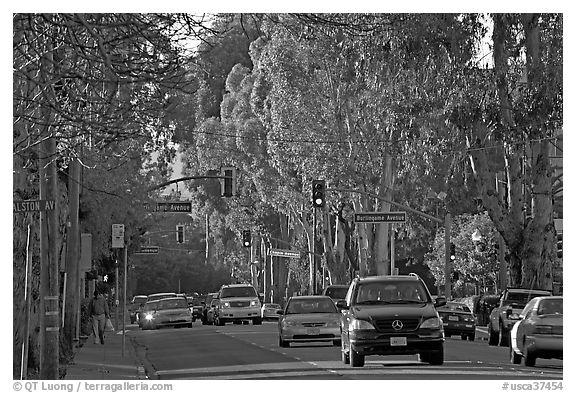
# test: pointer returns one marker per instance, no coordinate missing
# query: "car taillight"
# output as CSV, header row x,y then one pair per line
x,y
543,329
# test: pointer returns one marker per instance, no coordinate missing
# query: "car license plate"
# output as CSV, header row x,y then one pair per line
x,y
451,318
313,331
397,341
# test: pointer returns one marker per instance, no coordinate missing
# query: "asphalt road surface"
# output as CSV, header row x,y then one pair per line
x,y
252,352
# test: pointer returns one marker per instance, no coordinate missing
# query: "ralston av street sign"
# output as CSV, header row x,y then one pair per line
x,y
378,217
276,252
33,206
170,207
148,250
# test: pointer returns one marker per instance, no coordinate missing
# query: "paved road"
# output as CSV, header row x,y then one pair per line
x,y
252,352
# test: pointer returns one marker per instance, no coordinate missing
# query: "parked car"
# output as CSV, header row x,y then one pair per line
x,y
270,311
211,312
134,306
307,319
238,303
172,311
391,315
336,292
458,319
502,318
539,332
206,306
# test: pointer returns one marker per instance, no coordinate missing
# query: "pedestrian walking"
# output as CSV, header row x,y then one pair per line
x,y
99,312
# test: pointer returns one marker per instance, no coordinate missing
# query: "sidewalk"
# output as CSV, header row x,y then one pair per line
x,y
97,361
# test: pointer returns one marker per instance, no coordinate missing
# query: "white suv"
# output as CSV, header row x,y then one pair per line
x,y
238,302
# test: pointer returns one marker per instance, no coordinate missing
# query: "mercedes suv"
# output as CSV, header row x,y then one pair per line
x,y
238,302
391,315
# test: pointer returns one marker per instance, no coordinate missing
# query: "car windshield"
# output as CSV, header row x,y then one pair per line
x,y
519,299
550,306
168,304
454,307
139,300
160,296
391,292
336,292
310,306
238,292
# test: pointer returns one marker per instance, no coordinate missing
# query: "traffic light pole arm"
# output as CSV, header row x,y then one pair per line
x,y
428,216
162,185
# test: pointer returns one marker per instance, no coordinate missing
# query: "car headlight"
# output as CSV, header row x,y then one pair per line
x,y
225,305
360,324
149,317
254,303
431,323
333,323
287,322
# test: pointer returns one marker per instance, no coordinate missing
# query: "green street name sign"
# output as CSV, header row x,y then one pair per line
x,y
380,217
276,252
33,206
148,250
169,207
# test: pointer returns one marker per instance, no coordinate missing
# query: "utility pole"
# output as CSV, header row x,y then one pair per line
x,y
49,296
72,255
447,261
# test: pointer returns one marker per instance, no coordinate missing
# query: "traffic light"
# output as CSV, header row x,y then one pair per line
x,y
452,251
246,238
180,234
318,193
228,184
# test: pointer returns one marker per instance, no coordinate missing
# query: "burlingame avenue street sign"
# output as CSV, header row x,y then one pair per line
x,y
169,207
33,206
148,250
276,252
378,217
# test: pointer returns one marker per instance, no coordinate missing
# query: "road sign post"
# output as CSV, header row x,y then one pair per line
x,y
380,217
276,252
117,235
147,250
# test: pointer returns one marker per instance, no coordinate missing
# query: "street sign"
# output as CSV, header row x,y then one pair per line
x,y
380,217
33,206
169,207
148,250
276,252
117,235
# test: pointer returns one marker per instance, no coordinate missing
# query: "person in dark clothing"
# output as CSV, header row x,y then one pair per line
x,y
98,313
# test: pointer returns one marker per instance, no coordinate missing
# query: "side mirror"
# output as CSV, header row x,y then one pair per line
x,y
439,301
341,305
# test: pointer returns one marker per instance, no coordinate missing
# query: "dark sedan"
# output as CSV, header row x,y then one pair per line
x,y
457,319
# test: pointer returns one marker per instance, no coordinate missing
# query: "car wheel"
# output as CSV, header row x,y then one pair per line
x,y
529,358
257,321
514,357
282,343
492,335
471,336
436,358
356,360
503,336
